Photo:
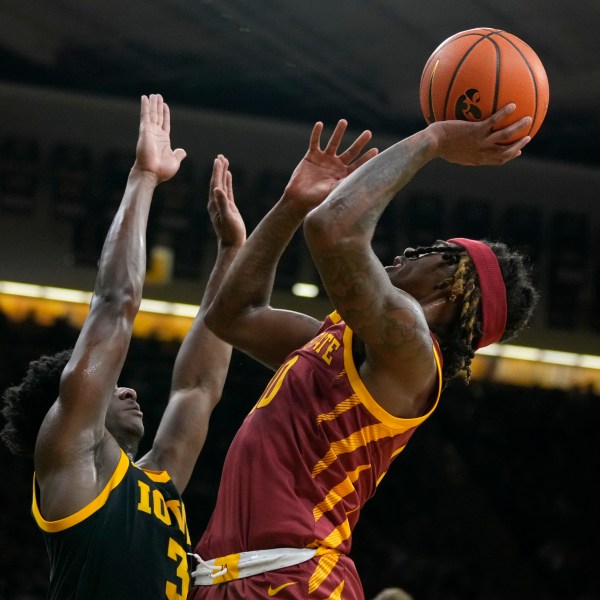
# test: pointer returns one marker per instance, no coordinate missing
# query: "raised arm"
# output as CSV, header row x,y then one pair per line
x,y
339,231
73,440
203,360
241,313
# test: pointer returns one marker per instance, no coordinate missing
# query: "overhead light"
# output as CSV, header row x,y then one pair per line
x,y
305,290
44,292
551,357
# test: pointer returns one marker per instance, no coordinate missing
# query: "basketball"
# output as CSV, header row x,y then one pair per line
x,y
476,72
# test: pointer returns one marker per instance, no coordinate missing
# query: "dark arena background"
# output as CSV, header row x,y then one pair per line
x,y
497,495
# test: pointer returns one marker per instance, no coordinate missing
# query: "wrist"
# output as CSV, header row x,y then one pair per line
x,y
434,134
143,176
294,208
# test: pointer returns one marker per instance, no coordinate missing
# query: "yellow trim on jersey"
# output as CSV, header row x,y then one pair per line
x,y
364,395
156,476
335,317
86,511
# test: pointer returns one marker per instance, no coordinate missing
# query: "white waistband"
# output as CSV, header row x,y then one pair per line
x,y
246,564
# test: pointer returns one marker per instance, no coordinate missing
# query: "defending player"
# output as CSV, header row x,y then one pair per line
x,y
114,528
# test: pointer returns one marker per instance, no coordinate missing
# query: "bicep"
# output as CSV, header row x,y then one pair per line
x,y
268,335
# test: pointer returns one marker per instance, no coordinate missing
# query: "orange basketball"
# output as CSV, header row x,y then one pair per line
x,y
476,72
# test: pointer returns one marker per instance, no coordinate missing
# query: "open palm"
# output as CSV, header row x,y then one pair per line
x,y
153,152
320,171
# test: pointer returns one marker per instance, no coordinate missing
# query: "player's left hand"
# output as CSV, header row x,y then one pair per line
x,y
320,171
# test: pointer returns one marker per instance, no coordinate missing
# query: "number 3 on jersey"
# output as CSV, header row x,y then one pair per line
x,y
177,553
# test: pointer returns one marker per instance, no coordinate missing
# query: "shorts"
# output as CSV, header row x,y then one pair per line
x,y
327,577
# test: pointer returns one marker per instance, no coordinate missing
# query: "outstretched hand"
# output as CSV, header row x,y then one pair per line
x,y
153,153
224,214
320,171
481,143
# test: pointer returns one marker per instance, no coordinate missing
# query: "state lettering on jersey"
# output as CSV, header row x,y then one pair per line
x,y
152,502
325,344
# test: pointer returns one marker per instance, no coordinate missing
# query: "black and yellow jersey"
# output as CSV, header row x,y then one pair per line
x,y
129,542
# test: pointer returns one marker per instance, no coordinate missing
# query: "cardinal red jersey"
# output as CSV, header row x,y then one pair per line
x,y
305,461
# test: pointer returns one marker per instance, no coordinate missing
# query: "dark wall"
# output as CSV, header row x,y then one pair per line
x,y
495,497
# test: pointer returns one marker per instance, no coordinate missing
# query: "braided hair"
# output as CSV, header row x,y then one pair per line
x,y
458,343
26,404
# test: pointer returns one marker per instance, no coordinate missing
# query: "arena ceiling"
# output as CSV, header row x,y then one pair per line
x,y
298,61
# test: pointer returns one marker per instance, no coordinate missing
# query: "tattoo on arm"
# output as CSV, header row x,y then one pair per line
x,y
398,327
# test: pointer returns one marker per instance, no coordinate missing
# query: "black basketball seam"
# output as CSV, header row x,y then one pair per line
x,y
459,65
497,85
433,58
535,86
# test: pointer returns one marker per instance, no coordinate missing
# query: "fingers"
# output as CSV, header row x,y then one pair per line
x,y
499,154
350,154
510,132
155,110
224,205
229,185
368,155
219,166
166,118
501,114
336,137
315,137
159,110
357,147
513,150
221,178
144,109
180,154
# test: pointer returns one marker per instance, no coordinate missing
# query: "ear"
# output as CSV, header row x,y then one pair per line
x,y
440,310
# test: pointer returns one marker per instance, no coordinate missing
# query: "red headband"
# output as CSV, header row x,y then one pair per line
x,y
493,290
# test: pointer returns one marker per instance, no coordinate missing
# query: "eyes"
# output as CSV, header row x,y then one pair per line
x,y
412,254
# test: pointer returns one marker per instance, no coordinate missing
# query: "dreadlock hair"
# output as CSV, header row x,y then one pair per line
x,y
459,342
26,404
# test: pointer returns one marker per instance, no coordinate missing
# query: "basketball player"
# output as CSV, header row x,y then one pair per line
x,y
114,528
348,393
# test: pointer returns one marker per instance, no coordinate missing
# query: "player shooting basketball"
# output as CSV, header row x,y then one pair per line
x,y
348,393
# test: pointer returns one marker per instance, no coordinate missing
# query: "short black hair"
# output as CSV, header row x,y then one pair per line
x,y
25,405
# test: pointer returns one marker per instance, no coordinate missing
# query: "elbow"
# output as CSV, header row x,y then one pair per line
x,y
326,230
218,322
212,321
319,228
118,302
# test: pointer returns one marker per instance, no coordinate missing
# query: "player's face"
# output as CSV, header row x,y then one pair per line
x,y
419,275
124,419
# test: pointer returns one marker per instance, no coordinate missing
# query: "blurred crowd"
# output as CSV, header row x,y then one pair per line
x,y
495,497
